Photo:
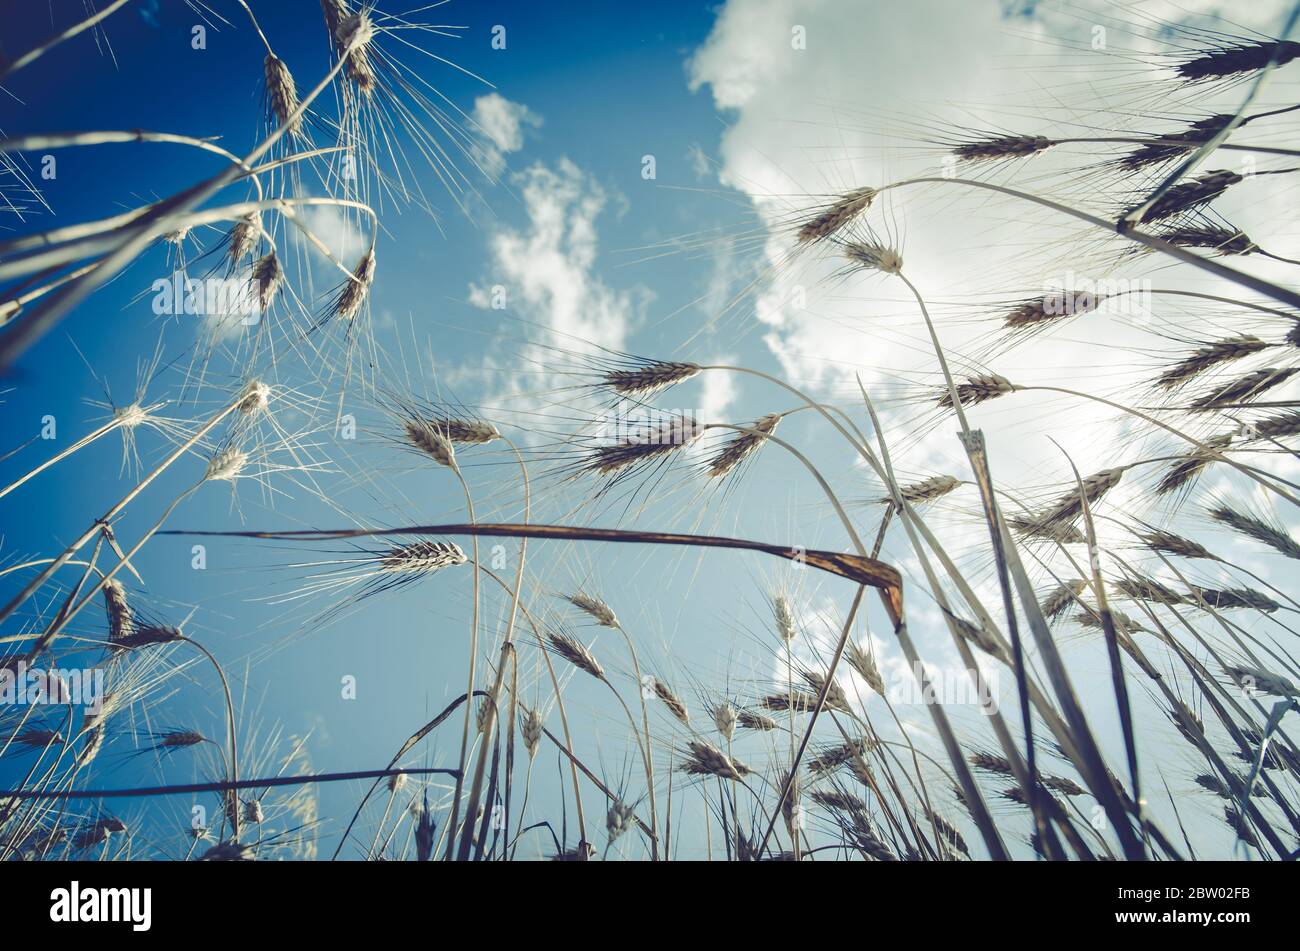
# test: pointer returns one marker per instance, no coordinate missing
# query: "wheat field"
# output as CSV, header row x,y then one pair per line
x,y
914,479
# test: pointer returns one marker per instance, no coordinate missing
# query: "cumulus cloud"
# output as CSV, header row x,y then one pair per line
x,y
502,125
819,101
547,268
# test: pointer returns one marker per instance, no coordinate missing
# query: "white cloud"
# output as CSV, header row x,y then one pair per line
x,y
852,109
547,268
718,394
502,124
338,230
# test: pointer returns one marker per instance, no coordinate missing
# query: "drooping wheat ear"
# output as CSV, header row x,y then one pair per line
x,y
705,759
1016,794
99,831
836,698
742,445
96,714
121,622
1244,388
576,653
253,811
1057,305
1187,723
1239,58
991,763
618,820
1233,598
425,825
352,39
530,728
1069,506
601,612
347,303
784,618
948,834
862,661
1218,239
1276,427
1031,527
1062,598
421,558
1064,785
833,757
1002,147
749,720
977,389
1163,148
1191,195
243,236
267,276
868,840
927,490
1147,589
177,739
873,256
335,12
1207,356
1258,680
1256,528
427,438
790,809
95,737
1124,624
1171,544
145,635
1278,756
1192,465
226,465
1240,825
1214,784
829,219
396,783
281,94
724,720
981,638
656,443
467,432
671,701
38,736
481,714
838,800
649,378
798,701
